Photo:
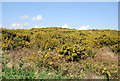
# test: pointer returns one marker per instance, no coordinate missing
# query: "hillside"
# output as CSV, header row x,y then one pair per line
x,y
60,53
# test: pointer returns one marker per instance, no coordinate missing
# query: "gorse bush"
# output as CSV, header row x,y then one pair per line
x,y
81,43
75,52
59,53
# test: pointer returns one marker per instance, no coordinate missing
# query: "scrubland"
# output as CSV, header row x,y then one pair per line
x,y
59,53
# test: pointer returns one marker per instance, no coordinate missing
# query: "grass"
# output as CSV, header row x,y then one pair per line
x,y
40,68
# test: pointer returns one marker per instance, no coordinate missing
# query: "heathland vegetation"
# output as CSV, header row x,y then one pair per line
x,y
59,53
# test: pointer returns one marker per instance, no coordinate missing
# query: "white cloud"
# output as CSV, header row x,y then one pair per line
x,y
84,27
19,26
26,24
0,26
65,26
43,26
36,26
24,17
37,18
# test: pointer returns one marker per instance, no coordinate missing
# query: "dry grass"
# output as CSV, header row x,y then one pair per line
x,y
86,69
